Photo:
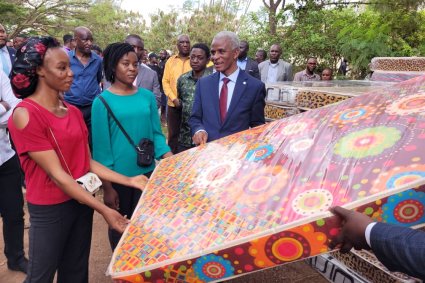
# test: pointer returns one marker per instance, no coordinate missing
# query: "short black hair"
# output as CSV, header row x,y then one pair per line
x,y
111,56
204,47
67,38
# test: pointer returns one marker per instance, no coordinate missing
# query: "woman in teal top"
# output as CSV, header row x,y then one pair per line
x,y
135,108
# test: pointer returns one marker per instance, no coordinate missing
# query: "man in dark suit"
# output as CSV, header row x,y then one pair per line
x,y
245,63
398,248
7,54
228,101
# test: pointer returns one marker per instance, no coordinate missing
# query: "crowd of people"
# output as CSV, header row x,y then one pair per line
x,y
72,109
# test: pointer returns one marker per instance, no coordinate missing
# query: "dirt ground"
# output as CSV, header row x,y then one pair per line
x,y
101,254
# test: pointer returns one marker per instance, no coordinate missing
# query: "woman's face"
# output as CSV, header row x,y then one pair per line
x,y
126,70
55,71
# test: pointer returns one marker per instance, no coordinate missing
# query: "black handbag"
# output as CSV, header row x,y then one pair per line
x,y
145,148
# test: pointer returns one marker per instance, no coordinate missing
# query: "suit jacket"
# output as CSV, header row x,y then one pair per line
x,y
284,71
252,68
148,78
12,54
246,108
399,248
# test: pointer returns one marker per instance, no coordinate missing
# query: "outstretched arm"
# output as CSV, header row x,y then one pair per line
x,y
398,248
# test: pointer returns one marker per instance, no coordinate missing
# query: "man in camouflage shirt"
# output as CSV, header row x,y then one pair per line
x,y
186,85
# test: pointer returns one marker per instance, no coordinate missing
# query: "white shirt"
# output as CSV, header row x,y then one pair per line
x,y
6,95
230,85
4,52
272,74
367,232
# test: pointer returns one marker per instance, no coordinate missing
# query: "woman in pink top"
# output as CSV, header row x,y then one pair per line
x,y
51,140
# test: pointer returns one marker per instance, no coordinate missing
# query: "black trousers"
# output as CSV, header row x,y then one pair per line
x,y
60,239
174,118
86,110
128,199
11,210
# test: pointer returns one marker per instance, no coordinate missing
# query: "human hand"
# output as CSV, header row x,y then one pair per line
x,y
115,220
200,138
110,198
177,103
353,229
139,182
5,105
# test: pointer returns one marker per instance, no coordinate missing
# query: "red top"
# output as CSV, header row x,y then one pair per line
x,y
71,135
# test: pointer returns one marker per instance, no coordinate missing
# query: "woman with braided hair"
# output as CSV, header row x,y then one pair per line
x,y
135,109
52,142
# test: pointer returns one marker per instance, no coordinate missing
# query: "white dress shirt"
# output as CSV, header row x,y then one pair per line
x,y
6,95
5,58
230,85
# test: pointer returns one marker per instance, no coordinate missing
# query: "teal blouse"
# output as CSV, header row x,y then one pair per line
x,y
139,117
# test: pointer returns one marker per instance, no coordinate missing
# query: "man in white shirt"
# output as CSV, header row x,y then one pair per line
x,y
275,69
7,54
11,198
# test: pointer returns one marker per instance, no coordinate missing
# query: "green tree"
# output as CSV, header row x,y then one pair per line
x,y
40,16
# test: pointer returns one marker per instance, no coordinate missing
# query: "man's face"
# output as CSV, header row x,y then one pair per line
x,y
3,36
259,57
223,56
18,41
243,50
138,46
84,41
198,59
275,52
311,65
163,55
183,45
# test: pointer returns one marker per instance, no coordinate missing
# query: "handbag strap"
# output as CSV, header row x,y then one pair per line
x,y
53,135
117,122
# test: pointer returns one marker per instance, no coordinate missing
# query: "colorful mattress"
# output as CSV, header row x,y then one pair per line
x,y
260,198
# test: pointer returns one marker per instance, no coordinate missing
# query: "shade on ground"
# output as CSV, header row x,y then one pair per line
x,y
260,198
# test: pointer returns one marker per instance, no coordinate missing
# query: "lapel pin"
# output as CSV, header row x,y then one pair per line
x,y
244,83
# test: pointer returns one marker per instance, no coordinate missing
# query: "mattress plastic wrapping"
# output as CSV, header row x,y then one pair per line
x,y
260,198
397,69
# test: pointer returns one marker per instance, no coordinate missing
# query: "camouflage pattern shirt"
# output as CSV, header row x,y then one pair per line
x,y
186,86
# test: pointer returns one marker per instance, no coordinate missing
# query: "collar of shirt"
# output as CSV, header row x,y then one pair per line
x,y
73,54
233,76
309,76
274,65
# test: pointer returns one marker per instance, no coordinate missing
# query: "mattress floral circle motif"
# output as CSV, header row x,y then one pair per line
x,y
301,145
405,208
312,202
368,142
265,183
413,104
259,153
212,267
398,176
218,174
287,246
353,115
293,128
